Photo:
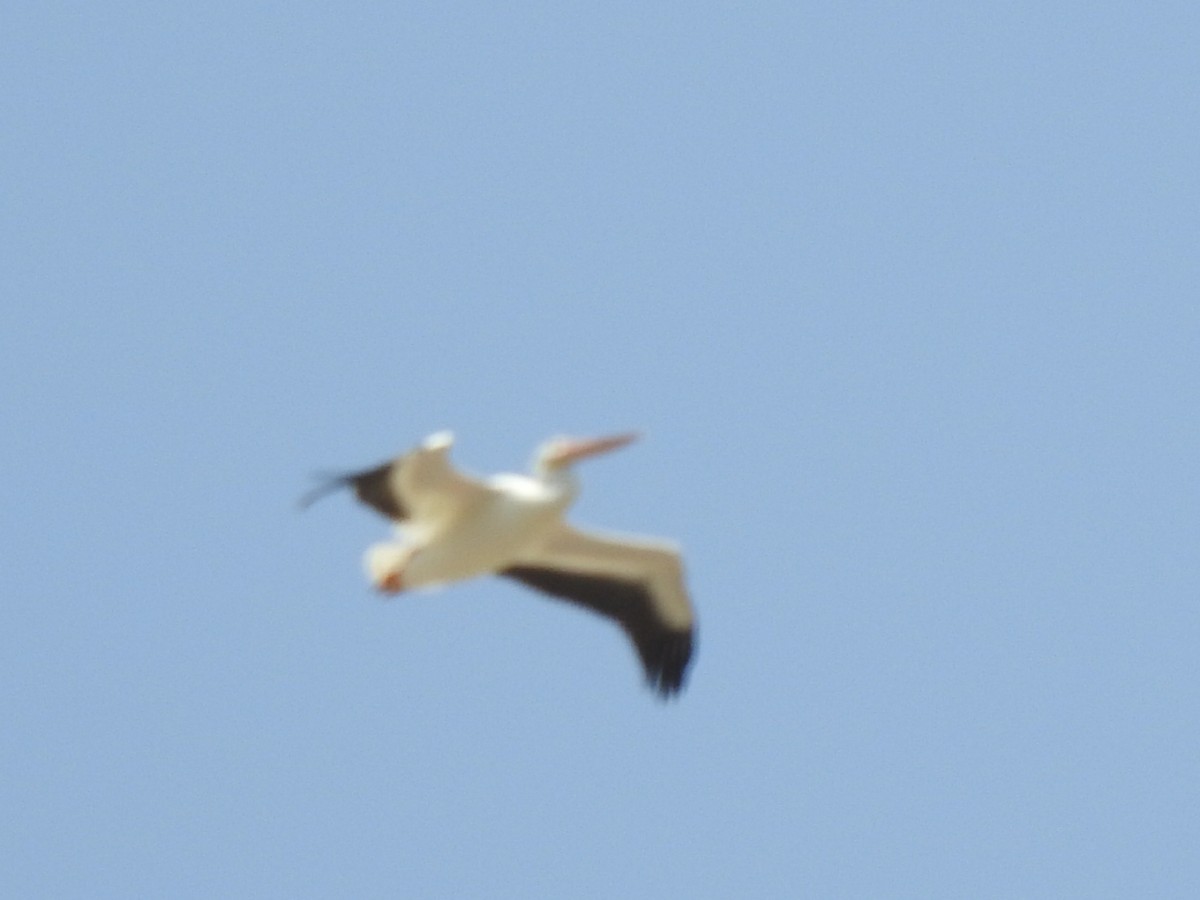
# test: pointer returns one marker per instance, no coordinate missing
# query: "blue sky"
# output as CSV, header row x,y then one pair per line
x,y
902,296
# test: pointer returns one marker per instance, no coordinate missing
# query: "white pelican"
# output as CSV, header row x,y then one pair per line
x,y
451,526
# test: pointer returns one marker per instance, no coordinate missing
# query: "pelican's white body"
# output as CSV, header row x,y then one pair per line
x,y
508,521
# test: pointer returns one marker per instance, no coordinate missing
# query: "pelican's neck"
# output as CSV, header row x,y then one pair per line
x,y
558,479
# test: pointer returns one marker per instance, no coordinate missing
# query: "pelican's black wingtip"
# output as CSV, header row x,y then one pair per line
x,y
330,482
671,655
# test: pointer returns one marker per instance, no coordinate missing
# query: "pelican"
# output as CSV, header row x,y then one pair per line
x,y
451,526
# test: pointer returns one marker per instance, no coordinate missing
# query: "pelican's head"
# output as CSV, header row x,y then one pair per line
x,y
385,564
441,440
560,452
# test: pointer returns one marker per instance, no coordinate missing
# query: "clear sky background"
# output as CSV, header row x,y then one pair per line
x,y
904,297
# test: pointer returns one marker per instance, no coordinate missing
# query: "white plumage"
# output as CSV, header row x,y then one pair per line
x,y
451,526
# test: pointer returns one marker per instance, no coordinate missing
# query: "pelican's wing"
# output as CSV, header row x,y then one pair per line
x,y
636,582
420,488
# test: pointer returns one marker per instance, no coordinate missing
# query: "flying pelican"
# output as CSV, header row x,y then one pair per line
x,y
451,526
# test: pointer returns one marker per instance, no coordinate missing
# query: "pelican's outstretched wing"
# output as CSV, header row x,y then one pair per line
x,y
420,487
636,582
